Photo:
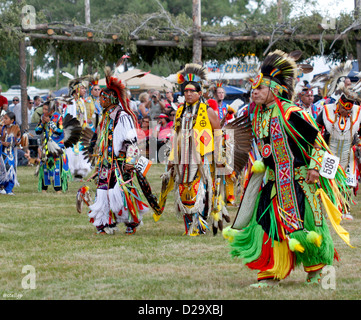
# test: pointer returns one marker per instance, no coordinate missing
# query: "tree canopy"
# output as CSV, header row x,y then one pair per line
x,y
255,29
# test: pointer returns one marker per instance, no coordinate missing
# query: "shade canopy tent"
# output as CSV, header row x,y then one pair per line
x,y
233,93
137,85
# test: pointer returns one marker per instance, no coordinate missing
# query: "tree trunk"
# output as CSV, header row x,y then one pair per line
x,y
87,12
23,81
197,40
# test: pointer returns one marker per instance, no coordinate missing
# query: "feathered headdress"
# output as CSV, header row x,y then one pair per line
x,y
116,85
334,77
279,70
216,84
347,94
192,72
75,83
303,87
93,81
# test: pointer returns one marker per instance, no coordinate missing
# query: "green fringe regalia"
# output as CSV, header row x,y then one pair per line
x,y
281,219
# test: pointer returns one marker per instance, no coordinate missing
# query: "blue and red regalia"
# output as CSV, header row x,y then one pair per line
x,y
53,169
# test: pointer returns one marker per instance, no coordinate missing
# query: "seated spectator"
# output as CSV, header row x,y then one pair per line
x,y
23,157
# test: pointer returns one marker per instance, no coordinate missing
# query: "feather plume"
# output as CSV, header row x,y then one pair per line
x,y
139,75
295,55
330,80
67,75
350,94
305,67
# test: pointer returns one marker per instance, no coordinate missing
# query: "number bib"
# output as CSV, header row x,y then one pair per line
x,y
143,165
350,177
329,166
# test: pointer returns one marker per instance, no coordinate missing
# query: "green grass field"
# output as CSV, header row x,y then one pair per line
x,y
71,262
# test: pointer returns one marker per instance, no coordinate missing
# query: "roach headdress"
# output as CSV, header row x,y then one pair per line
x,y
220,83
279,71
192,73
119,92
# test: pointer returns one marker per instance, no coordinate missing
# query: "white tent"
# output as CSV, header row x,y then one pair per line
x,y
149,81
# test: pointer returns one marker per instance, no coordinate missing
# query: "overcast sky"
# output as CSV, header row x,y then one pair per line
x,y
331,8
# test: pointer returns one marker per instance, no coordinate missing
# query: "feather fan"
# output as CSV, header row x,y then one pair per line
x,y
242,135
72,130
86,140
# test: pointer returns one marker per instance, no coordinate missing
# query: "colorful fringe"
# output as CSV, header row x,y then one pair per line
x,y
273,258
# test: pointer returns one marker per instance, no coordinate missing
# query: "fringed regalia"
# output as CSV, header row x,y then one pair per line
x,y
78,165
8,158
340,122
341,134
226,114
193,173
281,221
93,107
117,198
53,167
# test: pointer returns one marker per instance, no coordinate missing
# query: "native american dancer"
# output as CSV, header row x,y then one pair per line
x,y
10,137
79,166
280,222
305,101
226,114
340,123
117,199
92,104
58,134
197,144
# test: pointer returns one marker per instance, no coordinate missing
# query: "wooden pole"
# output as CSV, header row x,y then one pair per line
x,y
151,43
279,11
87,12
57,71
197,40
23,83
24,94
358,42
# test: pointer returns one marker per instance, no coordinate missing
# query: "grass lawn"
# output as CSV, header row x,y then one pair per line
x,y
71,262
